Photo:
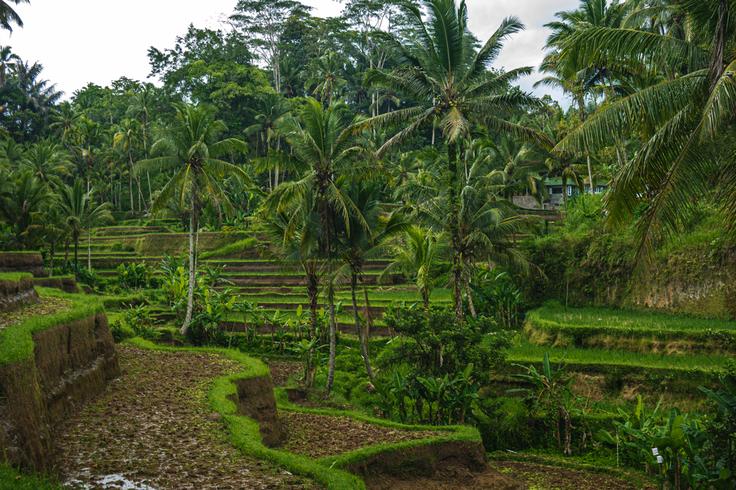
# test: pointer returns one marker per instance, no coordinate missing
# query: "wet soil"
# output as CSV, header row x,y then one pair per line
x,y
318,436
283,371
153,429
505,475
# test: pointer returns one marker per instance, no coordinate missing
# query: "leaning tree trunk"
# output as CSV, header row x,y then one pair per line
x,y
457,267
333,337
590,177
193,225
362,337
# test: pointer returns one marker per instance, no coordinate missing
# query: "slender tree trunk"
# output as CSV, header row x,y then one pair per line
x,y
333,336
89,249
193,225
76,253
52,252
148,178
313,294
364,350
130,188
368,315
471,304
590,176
457,263
425,298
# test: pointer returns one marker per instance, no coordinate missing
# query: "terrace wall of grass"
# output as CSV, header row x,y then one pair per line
x,y
637,331
31,262
16,290
48,365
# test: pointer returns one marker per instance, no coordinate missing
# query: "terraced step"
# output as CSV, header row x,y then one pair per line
x,y
635,331
117,231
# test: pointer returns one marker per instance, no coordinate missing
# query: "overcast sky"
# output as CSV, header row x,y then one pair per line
x,y
82,41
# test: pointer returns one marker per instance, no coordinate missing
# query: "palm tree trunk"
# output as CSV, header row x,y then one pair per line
x,y
364,351
471,304
457,267
148,178
333,337
590,177
52,252
130,189
313,294
89,249
76,253
193,225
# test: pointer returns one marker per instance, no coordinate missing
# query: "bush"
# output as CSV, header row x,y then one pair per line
x,y
434,371
134,276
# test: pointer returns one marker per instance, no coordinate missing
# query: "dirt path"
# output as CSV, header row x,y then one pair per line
x,y
153,429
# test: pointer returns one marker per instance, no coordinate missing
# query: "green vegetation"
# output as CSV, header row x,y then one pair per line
x,y
11,479
16,342
372,200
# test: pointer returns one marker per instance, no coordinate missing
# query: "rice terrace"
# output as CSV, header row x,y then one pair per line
x,y
357,245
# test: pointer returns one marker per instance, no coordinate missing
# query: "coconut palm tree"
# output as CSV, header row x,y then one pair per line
x,y
8,59
452,84
8,15
419,255
126,139
580,81
191,148
48,161
324,142
81,213
21,202
682,119
369,230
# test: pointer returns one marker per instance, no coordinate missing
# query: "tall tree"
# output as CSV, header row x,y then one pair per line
x,y
324,141
263,22
191,148
451,82
682,119
81,213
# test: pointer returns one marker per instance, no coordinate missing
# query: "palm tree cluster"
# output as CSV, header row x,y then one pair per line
x,y
385,132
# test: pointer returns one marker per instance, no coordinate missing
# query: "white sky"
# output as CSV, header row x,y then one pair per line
x,y
82,41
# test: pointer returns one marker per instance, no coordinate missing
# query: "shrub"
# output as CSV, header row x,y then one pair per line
x,y
134,276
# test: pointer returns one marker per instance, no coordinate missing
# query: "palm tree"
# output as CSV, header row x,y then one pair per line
x,y
126,139
327,77
47,161
191,147
418,255
8,16
368,231
8,59
579,81
296,232
681,119
269,108
21,203
323,141
451,83
81,213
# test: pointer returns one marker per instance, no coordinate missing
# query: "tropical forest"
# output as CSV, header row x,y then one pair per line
x,y
359,251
